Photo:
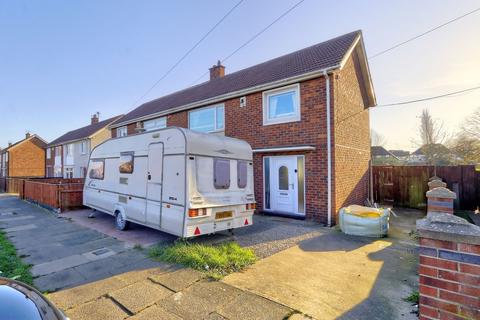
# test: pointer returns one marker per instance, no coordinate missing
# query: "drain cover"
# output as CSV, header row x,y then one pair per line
x,y
101,251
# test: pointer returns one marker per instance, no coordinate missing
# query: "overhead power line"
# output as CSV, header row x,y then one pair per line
x,y
253,37
428,98
187,53
423,34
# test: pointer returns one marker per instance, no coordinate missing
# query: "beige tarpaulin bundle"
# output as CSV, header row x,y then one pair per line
x,y
364,221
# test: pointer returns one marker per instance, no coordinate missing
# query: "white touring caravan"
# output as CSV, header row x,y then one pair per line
x,y
175,180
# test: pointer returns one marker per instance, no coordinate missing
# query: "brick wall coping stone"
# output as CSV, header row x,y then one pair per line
x,y
447,227
441,192
436,183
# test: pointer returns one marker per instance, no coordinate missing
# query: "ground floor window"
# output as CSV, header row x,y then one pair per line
x,y
284,184
68,173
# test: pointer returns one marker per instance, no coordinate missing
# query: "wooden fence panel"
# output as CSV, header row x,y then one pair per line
x,y
58,194
409,185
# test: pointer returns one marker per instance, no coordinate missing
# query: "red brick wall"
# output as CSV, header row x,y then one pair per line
x,y
449,280
247,123
26,159
351,136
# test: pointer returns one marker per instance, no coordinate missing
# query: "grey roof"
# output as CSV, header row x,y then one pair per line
x,y
380,151
36,139
400,153
83,132
434,147
328,54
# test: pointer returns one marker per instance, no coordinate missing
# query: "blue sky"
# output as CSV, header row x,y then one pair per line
x,y
61,61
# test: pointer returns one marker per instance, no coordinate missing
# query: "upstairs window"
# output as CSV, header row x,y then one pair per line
x,y
49,153
70,149
126,163
122,131
83,147
58,151
221,173
281,105
154,124
209,119
97,169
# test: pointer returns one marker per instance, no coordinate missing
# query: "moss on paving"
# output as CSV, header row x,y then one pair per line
x,y
11,266
215,260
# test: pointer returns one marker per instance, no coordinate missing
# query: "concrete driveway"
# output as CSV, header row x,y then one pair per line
x,y
335,276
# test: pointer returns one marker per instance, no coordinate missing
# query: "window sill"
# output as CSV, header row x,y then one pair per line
x,y
280,121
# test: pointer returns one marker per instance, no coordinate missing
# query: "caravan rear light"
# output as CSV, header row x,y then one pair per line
x,y
251,206
192,213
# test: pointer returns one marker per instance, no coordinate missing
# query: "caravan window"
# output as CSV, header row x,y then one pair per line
x,y
126,163
97,169
221,173
242,174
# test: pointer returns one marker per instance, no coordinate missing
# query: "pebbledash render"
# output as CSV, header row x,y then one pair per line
x,y
280,108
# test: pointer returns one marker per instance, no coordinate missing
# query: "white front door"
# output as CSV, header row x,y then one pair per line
x,y
284,184
154,183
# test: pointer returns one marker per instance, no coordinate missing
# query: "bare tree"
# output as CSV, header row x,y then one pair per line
x,y
377,139
432,134
431,130
471,125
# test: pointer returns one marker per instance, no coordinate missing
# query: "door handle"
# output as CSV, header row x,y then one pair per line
x,y
149,176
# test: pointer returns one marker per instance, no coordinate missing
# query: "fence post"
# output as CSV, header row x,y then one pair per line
x,y
449,267
440,199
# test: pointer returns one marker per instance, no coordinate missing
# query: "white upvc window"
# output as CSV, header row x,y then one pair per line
x,y
70,149
122,131
58,151
49,153
281,105
83,147
208,119
154,124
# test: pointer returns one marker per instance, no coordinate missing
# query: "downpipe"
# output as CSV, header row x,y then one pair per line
x,y
329,151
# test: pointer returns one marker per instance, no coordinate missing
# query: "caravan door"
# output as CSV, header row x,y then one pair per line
x,y
154,183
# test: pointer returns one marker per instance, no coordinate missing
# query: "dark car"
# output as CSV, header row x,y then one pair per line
x,y
19,301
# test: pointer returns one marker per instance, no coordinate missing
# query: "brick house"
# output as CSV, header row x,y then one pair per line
x,y
25,158
301,168
68,155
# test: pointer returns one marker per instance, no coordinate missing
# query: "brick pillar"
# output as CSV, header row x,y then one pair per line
x,y
449,268
440,199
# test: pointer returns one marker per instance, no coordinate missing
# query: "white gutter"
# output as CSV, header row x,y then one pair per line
x,y
329,151
280,149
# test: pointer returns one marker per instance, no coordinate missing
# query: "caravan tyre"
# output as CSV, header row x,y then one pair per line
x,y
120,222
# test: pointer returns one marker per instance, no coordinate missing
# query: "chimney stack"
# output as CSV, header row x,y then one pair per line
x,y
9,144
217,71
27,135
95,118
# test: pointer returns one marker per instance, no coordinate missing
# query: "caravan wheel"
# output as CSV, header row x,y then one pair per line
x,y
120,222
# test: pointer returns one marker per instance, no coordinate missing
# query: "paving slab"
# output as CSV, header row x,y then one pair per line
x,y
155,312
59,280
140,295
24,227
16,219
178,280
101,309
250,306
67,299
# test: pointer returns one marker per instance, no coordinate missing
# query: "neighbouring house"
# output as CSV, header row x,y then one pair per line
x,y
283,108
25,158
381,156
67,156
436,154
402,155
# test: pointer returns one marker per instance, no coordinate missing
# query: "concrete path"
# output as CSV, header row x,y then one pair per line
x,y
64,254
335,276
158,294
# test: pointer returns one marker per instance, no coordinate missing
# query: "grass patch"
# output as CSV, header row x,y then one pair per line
x,y
215,260
10,264
414,297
